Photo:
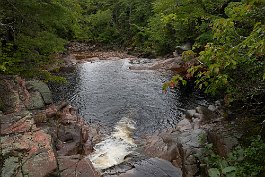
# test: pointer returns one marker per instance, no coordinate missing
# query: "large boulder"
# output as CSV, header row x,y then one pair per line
x,y
42,88
36,101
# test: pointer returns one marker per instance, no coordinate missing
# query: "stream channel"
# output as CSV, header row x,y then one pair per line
x,y
129,102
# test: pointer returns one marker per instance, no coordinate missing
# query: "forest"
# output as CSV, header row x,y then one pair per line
x,y
227,38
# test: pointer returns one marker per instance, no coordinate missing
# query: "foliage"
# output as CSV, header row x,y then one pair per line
x,y
116,22
241,162
174,81
30,34
232,56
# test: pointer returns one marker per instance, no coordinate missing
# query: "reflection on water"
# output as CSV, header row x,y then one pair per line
x,y
105,91
115,147
130,103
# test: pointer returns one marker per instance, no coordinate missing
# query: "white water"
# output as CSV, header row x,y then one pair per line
x,y
115,147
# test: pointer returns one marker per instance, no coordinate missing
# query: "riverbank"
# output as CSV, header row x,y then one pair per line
x,y
39,138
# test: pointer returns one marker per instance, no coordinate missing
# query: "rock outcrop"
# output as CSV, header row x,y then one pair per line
x,y
18,94
40,140
183,144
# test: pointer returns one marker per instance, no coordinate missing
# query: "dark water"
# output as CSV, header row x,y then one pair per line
x,y
107,91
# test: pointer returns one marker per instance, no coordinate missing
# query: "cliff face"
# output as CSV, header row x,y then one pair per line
x,y
39,138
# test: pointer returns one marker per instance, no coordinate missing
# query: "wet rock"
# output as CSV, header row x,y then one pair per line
x,y
168,64
71,133
26,146
76,166
42,88
160,146
71,140
153,167
179,146
51,111
182,145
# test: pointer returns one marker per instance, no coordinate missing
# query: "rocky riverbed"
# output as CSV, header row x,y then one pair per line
x,y
40,138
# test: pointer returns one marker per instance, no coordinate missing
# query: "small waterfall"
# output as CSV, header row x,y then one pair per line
x,y
115,147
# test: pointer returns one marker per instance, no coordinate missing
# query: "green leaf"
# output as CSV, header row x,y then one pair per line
x,y
214,172
228,169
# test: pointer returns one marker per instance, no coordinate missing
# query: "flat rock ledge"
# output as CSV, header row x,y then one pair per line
x,y
145,167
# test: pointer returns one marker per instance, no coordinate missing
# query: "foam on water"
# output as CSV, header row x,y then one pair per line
x,y
115,147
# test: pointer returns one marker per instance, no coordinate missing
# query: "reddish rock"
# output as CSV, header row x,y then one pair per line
x,y
10,99
40,164
23,125
76,166
68,115
51,111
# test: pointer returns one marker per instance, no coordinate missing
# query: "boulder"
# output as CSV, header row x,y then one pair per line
x,y
184,125
212,108
19,94
36,101
190,113
42,88
206,114
71,133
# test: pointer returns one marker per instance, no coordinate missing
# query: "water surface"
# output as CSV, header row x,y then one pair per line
x,y
131,103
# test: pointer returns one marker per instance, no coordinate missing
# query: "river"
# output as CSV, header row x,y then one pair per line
x,y
131,103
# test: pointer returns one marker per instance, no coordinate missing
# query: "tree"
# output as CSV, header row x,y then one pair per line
x,y
33,30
